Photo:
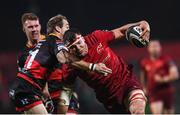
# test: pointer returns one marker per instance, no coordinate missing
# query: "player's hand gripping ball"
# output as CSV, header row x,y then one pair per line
x,y
133,35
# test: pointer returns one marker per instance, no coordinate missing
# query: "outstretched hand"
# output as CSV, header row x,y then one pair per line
x,y
101,68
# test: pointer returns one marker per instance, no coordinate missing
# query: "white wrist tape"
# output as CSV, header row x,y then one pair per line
x,y
90,66
94,67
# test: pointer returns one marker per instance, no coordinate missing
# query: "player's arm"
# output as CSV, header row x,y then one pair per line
x,y
65,57
173,74
46,91
48,103
119,33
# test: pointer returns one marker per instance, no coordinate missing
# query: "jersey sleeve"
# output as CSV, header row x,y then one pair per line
x,y
100,36
56,46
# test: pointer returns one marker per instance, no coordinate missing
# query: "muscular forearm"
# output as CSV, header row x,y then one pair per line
x,y
169,78
98,68
65,57
81,65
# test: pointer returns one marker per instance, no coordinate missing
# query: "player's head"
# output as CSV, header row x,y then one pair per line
x,y
75,42
57,24
31,26
154,48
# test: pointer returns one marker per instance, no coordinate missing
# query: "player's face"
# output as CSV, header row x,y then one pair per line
x,y
65,26
79,46
154,48
32,29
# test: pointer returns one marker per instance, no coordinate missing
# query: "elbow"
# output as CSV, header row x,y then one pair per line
x,y
176,75
174,72
61,60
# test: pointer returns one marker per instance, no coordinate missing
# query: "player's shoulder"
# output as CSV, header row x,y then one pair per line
x,y
166,57
97,34
100,31
50,38
24,50
53,38
43,36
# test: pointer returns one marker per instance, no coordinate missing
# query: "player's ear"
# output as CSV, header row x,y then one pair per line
x,y
40,26
23,29
58,29
83,38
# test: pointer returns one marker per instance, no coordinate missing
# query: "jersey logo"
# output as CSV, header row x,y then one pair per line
x,y
99,48
25,101
106,58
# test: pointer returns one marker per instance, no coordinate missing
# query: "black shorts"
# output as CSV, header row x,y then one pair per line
x,y
23,95
55,87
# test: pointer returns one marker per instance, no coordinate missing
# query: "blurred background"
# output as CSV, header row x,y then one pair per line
x,y
89,15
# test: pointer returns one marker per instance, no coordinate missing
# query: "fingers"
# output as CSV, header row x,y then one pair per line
x,y
107,70
146,36
146,30
102,69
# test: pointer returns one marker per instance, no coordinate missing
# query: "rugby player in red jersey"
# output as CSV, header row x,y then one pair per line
x,y
157,73
119,91
27,89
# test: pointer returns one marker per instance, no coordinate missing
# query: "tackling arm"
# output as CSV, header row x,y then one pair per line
x,y
65,57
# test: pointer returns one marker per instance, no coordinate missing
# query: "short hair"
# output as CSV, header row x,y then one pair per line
x,y
28,16
70,35
55,21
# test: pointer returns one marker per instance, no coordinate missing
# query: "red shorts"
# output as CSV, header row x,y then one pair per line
x,y
164,95
118,105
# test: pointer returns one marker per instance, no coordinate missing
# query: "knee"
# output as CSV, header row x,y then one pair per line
x,y
137,102
137,107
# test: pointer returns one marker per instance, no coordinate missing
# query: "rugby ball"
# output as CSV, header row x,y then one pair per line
x,y
133,34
